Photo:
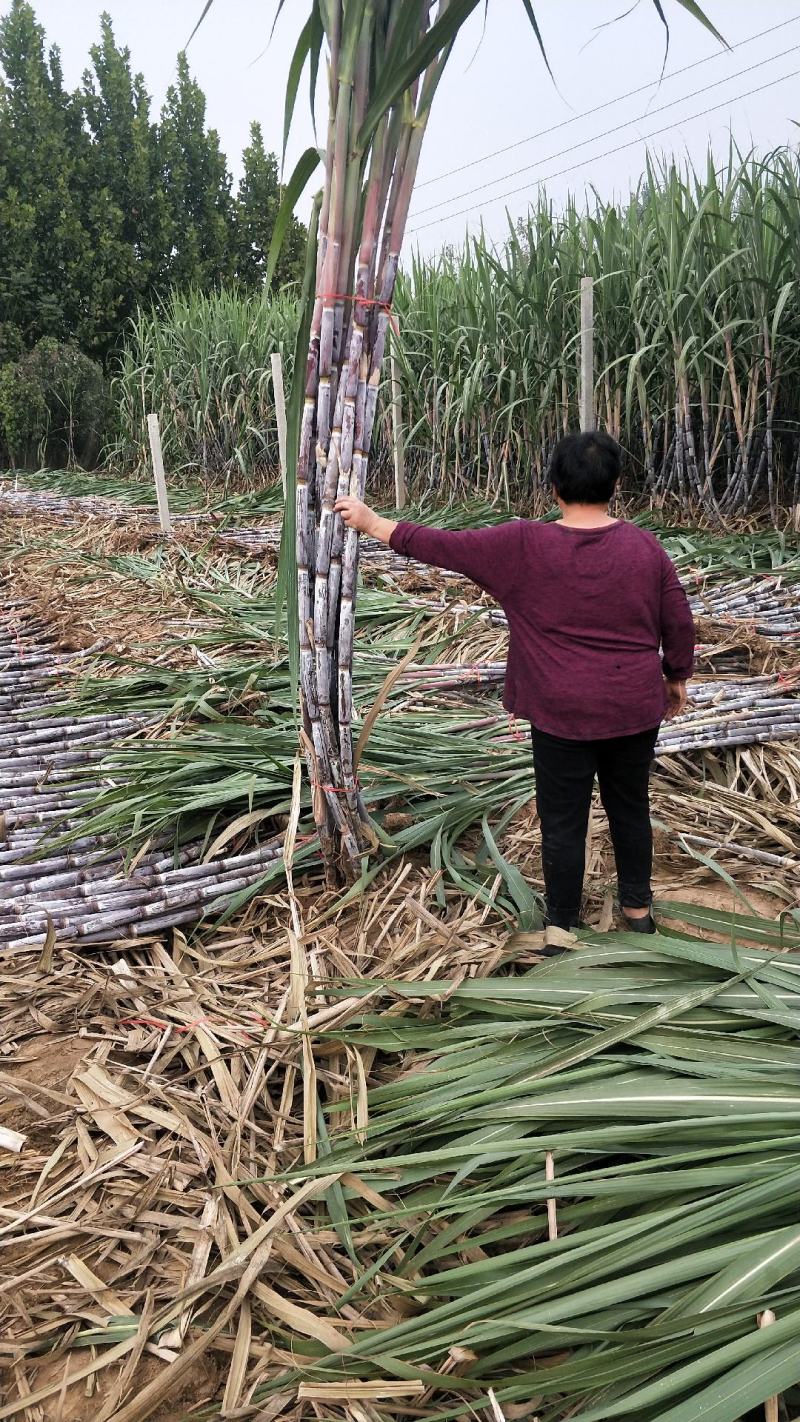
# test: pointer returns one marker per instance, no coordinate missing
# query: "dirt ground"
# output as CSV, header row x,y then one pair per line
x,y
86,1402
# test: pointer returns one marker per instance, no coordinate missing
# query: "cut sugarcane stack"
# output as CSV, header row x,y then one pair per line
x,y
50,764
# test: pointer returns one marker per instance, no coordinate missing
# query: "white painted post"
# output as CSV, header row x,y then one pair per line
x,y
158,473
552,1219
772,1404
280,412
397,430
587,354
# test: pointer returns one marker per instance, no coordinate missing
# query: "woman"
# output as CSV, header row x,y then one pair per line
x,y
601,643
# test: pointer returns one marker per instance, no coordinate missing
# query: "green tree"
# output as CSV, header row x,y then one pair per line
x,y
197,183
46,251
103,210
257,202
126,210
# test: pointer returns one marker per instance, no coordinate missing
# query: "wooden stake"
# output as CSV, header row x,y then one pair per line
x,y
550,1174
497,1411
587,353
280,412
771,1404
158,473
397,430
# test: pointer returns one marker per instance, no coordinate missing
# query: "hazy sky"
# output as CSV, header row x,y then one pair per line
x,y
495,93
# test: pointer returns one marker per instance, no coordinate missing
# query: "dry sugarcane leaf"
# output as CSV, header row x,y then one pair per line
x,y
559,937
239,1360
366,1391
127,1372
497,1411
11,1140
237,827
300,976
301,1319
89,1178
224,1081
258,1247
46,956
294,818
373,1197
109,1119
235,1263
102,1293
525,941
274,1407
204,1240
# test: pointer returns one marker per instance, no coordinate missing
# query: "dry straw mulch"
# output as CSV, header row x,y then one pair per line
x,y
152,1090
148,1080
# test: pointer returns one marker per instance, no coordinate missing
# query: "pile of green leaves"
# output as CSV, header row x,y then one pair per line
x,y
664,1081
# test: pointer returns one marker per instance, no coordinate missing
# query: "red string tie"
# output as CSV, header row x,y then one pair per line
x,y
361,301
336,789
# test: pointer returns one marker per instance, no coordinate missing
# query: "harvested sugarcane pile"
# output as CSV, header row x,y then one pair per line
x,y
51,763
82,788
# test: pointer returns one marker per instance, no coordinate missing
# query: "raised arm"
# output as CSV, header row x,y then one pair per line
x,y
490,557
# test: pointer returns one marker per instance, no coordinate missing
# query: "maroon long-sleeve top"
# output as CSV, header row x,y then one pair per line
x,y
596,617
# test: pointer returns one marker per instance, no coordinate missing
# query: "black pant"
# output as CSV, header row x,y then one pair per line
x,y
565,772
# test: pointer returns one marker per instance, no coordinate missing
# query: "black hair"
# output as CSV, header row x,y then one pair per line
x,y
585,467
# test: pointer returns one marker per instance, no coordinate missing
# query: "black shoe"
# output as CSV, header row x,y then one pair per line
x,y
557,950
639,925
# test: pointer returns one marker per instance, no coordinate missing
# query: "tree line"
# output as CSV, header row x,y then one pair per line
x,y
105,208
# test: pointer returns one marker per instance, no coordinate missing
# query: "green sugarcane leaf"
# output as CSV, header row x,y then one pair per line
x,y
728,1398
399,77
752,1276
698,14
523,897
203,14
715,868
528,7
286,582
301,53
780,306
334,1195
304,168
315,49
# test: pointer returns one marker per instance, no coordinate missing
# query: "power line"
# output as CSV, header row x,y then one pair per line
x,y
609,103
610,152
626,123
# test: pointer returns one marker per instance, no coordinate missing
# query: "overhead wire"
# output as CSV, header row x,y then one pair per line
x,y
607,104
617,128
609,152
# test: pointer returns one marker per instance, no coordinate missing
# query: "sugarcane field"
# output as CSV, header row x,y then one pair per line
x,y
399,622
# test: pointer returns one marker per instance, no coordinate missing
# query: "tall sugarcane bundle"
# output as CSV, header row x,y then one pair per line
x,y
385,61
